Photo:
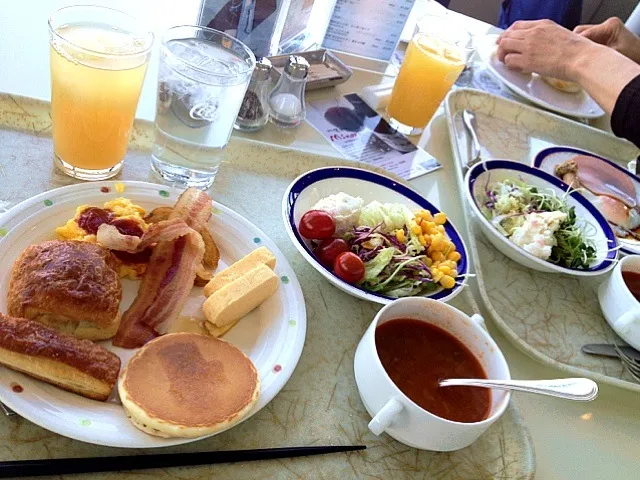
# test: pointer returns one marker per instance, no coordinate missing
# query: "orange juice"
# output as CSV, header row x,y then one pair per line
x,y
429,69
96,78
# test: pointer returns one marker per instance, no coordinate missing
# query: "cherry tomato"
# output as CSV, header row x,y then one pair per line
x,y
317,225
329,249
349,267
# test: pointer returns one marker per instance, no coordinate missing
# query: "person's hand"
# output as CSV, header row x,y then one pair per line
x,y
613,34
544,47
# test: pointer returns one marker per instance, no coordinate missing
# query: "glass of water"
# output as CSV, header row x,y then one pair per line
x,y
202,81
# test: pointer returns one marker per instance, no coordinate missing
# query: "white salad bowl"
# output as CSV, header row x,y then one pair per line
x,y
604,239
306,190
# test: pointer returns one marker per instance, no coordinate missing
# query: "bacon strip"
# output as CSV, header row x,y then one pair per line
x,y
169,277
108,235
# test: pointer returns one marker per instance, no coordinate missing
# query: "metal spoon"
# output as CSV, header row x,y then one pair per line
x,y
581,389
469,121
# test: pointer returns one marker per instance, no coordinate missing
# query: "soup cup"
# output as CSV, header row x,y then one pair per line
x,y
619,306
395,413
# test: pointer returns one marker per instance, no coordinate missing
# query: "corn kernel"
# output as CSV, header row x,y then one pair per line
x,y
454,273
425,214
445,269
440,228
440,218
433,231
430,250
455,256
435,242
437,275
447,282
422,240
400,236
437,256
428,262
450,263
416,229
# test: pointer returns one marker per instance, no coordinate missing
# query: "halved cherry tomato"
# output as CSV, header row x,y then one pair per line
x,y
349,267
329,249
317,225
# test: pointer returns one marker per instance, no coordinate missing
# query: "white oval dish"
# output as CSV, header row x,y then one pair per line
x,y
499,170
533,88
547,160
272,335
305,191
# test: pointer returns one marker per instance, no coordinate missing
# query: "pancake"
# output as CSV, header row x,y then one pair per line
x,y
188,385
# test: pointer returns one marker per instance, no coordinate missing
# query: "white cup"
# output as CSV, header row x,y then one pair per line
x,y
620,307
393,412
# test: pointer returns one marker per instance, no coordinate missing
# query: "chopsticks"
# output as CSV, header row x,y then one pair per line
x,y
62,466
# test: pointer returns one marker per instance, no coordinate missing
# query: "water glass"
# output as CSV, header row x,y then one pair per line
x,y
202,81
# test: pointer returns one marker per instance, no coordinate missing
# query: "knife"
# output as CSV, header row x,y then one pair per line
x,y
607,350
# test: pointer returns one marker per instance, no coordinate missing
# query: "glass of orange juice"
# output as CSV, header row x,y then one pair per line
x,y
98,61
432,63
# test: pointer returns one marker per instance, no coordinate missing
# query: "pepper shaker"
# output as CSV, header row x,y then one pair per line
x,y
286,101
254,112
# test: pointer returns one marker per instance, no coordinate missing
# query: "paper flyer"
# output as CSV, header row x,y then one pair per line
x,y
359,133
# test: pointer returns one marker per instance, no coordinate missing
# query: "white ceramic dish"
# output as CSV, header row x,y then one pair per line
x,y
536,90
395,413
498,170
305,191
547,160
619,306
272,335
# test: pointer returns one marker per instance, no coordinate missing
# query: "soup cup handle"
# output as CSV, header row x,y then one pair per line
x,y
626,320
478,320
385,416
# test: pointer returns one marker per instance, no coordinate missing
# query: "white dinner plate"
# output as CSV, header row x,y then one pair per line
x,y
272,335
536,90
306,190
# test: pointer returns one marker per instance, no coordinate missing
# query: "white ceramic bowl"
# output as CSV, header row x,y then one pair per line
x,y
549,158
396,414
499,170
619,306
305,191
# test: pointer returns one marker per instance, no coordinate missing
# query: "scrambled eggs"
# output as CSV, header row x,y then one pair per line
x,y
121,208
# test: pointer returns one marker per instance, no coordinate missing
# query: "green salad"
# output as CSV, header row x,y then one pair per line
x,y
540,222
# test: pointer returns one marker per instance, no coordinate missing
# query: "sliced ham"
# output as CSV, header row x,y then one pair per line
x,y
602,179
169,277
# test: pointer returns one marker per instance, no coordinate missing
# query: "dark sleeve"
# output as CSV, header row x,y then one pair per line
x,y
625,119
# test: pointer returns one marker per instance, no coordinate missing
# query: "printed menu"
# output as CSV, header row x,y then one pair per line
x,y
359,133
369,28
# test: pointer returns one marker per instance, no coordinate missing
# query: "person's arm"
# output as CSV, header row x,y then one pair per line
x,y
551,50
604,73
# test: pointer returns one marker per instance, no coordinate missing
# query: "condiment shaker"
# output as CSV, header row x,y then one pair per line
x,y
254,112
286,101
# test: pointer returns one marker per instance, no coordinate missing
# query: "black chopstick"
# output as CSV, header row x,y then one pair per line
x,y
63,466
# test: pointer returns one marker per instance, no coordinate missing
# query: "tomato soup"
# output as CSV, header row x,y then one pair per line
x,y
417,355
632,279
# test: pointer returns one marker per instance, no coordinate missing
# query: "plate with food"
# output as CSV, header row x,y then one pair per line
x,y
612,189
538,221
373,237
135,315
561,96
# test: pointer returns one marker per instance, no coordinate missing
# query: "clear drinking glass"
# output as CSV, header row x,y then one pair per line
x,y
202,81
98,61
436,55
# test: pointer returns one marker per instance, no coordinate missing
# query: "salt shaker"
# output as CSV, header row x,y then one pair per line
x,y
254,112
286,101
